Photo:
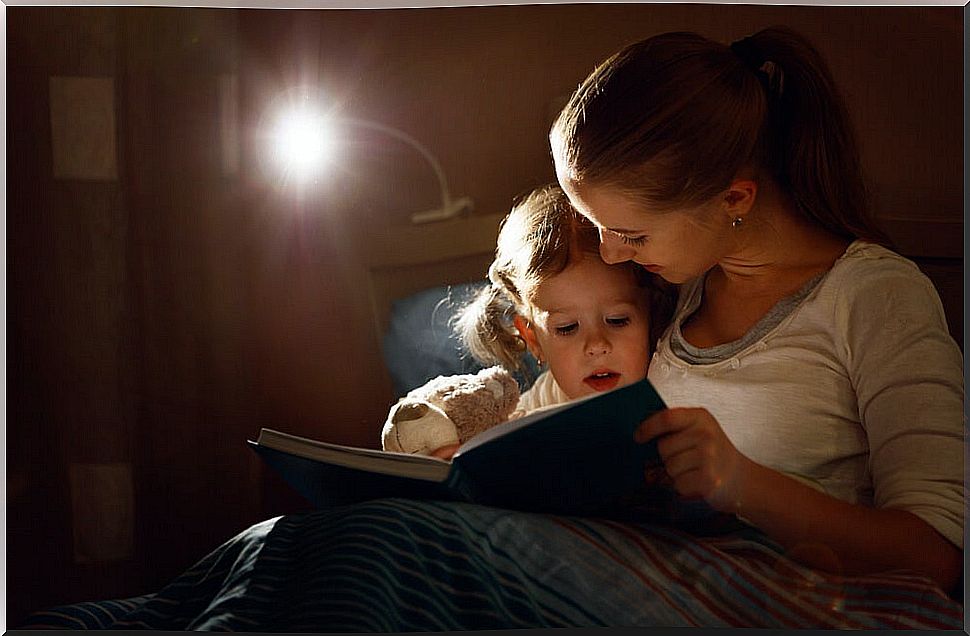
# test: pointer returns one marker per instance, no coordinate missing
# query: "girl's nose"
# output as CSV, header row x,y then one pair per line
x,y
598,344
613,249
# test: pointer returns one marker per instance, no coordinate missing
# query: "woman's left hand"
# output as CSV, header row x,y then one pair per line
x,y
698,456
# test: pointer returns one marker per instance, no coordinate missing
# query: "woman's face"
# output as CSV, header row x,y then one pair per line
x,y
678,245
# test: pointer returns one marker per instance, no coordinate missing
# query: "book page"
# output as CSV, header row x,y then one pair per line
x,y
378,461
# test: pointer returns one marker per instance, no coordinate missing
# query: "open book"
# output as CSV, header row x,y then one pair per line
x,y
575,458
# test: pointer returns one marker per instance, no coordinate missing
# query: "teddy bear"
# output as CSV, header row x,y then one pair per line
x,y
449,410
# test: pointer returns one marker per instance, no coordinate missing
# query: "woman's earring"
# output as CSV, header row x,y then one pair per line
x,y
519,344
736,223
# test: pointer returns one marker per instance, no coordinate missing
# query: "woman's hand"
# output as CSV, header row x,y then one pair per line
x,y
815,528
698,456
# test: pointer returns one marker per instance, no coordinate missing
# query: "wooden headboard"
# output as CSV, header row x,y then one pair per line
x,y
417,257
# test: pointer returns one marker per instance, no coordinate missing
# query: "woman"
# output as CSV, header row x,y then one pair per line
x,y
830,394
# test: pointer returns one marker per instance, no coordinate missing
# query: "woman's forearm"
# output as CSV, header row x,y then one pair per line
x,y
826,533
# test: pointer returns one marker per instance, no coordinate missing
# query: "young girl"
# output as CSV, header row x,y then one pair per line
x,y
550,293
825,393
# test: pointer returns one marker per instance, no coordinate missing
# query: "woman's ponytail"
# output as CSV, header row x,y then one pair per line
x,y
808,141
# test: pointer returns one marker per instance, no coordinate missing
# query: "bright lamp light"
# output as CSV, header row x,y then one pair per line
x,y
303,142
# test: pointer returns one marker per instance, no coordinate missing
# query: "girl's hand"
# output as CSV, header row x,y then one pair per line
x,y
698,456
445,452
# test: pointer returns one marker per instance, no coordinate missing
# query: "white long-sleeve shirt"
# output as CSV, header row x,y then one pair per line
x,y
858,390
545,391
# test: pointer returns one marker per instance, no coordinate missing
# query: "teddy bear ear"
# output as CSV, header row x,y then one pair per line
x,y
408,411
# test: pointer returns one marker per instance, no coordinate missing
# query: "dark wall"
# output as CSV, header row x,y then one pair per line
x,y
159,314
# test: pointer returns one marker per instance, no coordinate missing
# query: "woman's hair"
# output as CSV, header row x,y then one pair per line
x,y
540,238
673,119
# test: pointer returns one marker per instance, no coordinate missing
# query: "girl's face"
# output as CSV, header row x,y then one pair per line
x,y
590,324
676,245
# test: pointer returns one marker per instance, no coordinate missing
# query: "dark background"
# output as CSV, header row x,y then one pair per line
x,y
157,318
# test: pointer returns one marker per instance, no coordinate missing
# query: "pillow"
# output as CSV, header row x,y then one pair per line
x,y
420,343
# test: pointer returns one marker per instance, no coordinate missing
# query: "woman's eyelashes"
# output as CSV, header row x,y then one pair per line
x,y
635,241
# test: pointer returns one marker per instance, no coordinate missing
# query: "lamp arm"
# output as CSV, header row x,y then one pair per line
x,y
411,141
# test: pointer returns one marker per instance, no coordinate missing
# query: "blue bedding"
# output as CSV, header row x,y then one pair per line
x,y
400,565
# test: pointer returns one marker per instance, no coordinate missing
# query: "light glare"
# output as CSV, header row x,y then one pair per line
x,y
302,143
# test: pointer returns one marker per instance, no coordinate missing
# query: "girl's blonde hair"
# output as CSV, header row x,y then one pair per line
x,y
672,120
540,238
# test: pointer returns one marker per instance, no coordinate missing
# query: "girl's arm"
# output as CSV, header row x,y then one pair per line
x,y
814,528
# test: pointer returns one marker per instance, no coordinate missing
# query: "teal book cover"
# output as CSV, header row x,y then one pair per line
x,y
577,458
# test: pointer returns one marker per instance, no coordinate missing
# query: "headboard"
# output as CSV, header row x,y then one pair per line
x,y
428,270
416,257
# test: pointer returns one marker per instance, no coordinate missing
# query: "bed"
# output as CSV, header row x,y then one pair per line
x,y
399,565
366,568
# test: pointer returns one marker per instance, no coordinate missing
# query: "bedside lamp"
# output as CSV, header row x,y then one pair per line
x,y
303,142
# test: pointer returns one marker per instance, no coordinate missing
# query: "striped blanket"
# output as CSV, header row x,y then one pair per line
x,y
399,565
